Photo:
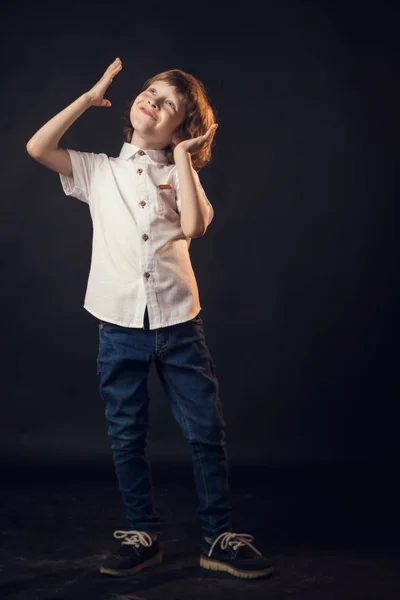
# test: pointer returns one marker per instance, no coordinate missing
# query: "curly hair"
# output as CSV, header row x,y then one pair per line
x,y
199,113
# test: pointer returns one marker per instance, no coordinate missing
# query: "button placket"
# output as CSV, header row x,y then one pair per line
x,y
145,236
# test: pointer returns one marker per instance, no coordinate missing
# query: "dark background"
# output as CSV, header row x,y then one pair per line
x,y
297,273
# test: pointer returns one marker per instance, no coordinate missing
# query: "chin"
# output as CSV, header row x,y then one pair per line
x,y
140,127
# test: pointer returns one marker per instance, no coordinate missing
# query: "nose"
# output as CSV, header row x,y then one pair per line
x,y
152,103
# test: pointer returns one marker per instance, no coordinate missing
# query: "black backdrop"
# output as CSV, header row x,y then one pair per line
x,y
297,273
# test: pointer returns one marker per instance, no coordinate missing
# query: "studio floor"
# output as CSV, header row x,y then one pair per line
x,y
333,534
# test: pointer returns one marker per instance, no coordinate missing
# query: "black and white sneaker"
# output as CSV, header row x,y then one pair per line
x,y
235,554
138,551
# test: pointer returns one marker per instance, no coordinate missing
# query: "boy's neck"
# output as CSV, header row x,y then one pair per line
x,y
144,144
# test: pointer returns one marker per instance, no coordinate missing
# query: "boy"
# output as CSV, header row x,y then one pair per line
x,y
146,205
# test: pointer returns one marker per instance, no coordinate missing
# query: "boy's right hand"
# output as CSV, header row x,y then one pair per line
x,y
96,94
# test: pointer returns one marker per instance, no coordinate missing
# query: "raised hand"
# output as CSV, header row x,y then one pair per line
x,y
96,94
196,144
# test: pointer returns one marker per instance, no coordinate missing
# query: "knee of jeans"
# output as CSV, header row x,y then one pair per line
x,y
213,435
132,444
127,439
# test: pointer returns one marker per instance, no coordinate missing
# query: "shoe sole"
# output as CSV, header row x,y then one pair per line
x,y
152,562
214,565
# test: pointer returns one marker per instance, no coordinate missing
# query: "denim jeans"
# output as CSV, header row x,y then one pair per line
x,y
187,372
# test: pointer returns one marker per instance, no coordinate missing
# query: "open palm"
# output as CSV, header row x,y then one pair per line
x,y
196,144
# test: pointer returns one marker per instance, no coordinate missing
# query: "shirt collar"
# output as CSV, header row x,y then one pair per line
x,y
128,150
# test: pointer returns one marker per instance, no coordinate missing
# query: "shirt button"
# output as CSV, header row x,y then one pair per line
x,y
145,237
141,153
142,203
146,274
140,171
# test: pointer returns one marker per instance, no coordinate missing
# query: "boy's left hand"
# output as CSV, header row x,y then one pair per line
x,y
196,144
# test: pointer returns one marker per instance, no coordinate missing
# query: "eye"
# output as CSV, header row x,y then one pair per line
x,y
152,90
171,104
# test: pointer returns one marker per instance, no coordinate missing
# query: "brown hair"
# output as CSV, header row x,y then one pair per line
x,y
199,114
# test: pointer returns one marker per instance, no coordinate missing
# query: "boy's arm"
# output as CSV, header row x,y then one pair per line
x,y
194,211
43,146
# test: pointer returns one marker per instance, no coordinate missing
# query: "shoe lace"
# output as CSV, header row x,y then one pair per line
x,y
134,538
235,540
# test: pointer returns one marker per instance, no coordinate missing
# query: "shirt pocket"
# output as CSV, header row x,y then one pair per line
x,y
166,202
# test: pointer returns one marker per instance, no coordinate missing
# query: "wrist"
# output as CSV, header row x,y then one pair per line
x,y
181,153
88,99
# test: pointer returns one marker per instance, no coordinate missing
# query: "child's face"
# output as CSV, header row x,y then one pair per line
x,y
155,114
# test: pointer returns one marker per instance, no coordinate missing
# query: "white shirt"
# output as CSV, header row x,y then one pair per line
x,y
140,255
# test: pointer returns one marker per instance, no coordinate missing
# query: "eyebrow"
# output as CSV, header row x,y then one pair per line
x,y
174,98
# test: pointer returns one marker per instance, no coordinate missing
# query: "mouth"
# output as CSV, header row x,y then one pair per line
x,y
147,112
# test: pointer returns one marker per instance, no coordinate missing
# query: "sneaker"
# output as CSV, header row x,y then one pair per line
x,y
234,553
138,550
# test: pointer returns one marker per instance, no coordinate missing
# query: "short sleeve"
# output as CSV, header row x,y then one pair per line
x,y
206,200
79,183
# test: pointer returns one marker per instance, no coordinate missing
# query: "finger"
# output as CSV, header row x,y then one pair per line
x,y
114,71
212,130
114,67
209,135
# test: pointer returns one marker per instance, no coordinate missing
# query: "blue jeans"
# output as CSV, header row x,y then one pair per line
x,y
188,375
